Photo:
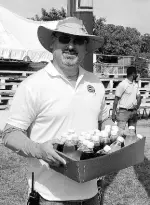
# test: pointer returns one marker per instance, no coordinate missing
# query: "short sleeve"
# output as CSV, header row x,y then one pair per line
x,y
23,108
120,90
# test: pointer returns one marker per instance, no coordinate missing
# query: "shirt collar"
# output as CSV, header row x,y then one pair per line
x,y
129,81
52,70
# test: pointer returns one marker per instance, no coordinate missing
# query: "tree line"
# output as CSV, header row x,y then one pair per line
x,y
118,40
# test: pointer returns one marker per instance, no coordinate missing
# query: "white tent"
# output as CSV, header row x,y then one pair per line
x,y
18,37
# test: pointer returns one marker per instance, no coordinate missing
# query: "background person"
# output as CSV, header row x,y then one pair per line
x,y
127,100
59,97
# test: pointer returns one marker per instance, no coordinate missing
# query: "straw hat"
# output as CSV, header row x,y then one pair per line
x,y
72,26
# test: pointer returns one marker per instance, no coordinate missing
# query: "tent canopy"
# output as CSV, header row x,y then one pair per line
x,y
18,37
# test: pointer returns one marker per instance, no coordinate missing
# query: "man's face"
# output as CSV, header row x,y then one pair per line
x,y
68,50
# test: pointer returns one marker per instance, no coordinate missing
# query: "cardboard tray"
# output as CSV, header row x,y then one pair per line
x,y
86,170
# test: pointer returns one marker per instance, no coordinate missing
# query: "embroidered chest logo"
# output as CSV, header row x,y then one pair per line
x,y
91,89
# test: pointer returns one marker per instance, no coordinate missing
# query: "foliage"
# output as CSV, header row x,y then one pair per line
x,y
119,40
145,43
142,66
52,15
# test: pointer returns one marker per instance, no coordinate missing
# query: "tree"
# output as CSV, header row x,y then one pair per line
x,y
133,38
142,66
98,25
52,15
145,43
117,39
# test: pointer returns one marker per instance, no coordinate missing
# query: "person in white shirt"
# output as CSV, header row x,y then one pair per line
x,y
61,96
127,100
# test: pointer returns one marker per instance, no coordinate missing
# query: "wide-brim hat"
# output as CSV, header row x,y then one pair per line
x,y
72,26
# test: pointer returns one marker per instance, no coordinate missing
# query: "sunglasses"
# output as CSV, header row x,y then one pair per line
x,y
77,40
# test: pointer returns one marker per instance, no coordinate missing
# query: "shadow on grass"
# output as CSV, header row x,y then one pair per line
x,y
104,183
142,172
13,178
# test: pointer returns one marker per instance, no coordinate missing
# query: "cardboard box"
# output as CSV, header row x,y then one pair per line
x,y
86,170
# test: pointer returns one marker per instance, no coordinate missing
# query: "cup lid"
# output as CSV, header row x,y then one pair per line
x,y
120,139
131,127
139,136
107,148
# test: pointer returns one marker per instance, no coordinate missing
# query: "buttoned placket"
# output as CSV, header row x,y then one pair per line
x,y
77,82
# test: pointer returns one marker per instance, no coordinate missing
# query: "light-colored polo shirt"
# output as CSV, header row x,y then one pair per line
x,y
49,105
128,92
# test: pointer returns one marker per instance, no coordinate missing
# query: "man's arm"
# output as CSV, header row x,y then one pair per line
x,y
16,139
118,94
23,112
115,104
139,100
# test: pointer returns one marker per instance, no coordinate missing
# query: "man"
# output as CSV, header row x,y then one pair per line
x,y
127,99
59,97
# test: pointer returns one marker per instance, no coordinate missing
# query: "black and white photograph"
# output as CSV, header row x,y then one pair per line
x,y
74,102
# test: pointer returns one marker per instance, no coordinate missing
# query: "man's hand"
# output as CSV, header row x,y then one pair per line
x,y
49,155
113,117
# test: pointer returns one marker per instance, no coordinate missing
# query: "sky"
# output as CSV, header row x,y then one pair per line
x,y
131,13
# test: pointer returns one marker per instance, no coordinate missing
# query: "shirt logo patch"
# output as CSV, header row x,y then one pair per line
x,y
91,89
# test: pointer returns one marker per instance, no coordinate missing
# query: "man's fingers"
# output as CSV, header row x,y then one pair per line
x,y
55,163
58,158
52,162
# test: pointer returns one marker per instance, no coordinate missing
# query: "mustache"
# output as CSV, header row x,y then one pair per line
x,y
70,51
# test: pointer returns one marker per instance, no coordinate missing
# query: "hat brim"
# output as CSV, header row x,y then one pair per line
x,y
44,36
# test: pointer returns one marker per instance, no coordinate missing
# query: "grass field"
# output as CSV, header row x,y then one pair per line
x,y
130,186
